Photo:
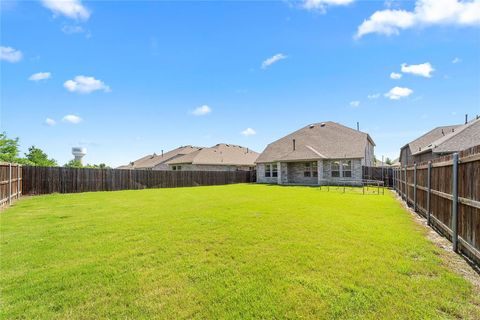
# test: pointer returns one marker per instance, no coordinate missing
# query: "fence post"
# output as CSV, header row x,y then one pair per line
x,y
9,183
415,187
393,180
455,202
402,186
397,181
405,185
18,181
429,189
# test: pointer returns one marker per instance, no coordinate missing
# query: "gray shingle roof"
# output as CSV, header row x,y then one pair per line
x,y
150,161
460,138
423,141
326,140
220,154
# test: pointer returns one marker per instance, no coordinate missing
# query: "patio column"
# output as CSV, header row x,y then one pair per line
x,y
279,173
320,171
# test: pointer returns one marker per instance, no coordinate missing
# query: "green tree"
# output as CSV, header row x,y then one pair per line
x,y
39,158
388,161
8,148
73,164
97,166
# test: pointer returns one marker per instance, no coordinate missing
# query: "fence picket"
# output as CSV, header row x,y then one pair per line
x,y
446,191
44,180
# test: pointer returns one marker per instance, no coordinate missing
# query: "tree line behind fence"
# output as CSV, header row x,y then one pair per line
x,y
45,180
10,183
446,192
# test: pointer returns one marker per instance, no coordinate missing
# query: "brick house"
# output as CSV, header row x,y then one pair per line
x,y
159,161
441,141
221,157
316,154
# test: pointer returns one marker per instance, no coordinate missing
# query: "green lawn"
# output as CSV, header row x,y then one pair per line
x,y
223,252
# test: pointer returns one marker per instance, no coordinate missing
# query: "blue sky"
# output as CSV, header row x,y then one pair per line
x,y
132,74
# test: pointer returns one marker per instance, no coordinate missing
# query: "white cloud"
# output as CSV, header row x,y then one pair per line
x,y
426,13
248,132
423,69
202,110
50,122
374,96
321,5
72,29
69,8
268,62
83,84
40,76
395,75
71,118
456,60
355,103
10,54
397,93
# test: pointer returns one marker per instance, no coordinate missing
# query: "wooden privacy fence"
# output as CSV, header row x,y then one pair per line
x,y
10,183
446,192
45,180
384,174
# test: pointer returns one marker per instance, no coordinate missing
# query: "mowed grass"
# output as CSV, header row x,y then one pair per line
x,y
223,252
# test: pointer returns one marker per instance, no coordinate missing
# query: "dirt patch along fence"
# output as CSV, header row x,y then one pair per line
x,y
10,183
45,180
446,191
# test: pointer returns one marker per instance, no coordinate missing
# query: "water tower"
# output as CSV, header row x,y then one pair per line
x,y
79,153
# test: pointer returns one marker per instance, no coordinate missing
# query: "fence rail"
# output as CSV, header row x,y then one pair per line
x,y
446,192
45,180
10,183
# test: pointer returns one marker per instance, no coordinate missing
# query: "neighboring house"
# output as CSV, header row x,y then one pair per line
x,y
455,140
316,154
221,157
407,151
158,162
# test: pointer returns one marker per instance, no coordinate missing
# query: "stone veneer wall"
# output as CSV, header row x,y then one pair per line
x,y
356,170
292,172
261,175
296,174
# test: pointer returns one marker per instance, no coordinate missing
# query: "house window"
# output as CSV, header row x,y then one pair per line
x,y
307,170
268,172
347,169
310,169
315,169
176,168
335,169
274,170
